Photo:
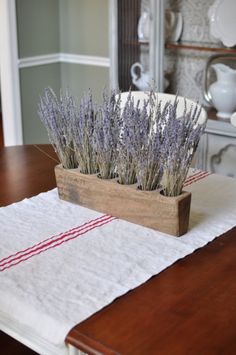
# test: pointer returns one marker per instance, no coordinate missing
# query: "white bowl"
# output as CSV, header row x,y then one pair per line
x,y
163,97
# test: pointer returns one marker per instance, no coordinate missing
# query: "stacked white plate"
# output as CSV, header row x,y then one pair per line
x,y
222,16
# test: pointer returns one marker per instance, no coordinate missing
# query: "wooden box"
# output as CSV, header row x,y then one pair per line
x,y
147,208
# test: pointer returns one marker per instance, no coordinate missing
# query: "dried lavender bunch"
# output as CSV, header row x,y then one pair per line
x,y
83,129
181,136
139,149
125,163
147,148
57,115
106,135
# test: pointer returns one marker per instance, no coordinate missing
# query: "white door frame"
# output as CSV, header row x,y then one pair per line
x,y
10,84
113,44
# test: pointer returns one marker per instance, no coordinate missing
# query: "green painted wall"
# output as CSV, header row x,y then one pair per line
x,y
38,27
52,26
84,27
33,81
79,78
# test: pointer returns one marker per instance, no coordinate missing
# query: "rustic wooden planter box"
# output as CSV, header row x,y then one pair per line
x,y
147,208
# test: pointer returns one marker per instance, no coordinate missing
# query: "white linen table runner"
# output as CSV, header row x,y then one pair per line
x,y
60,263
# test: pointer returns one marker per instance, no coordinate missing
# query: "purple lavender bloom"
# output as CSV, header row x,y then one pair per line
x,y
125,163
139,149
149,164
57,115
106,135
83,128
181,136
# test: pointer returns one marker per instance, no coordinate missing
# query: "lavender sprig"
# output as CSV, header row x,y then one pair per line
x,y
82,130
147,147
125,163
106,135
181,136
57,116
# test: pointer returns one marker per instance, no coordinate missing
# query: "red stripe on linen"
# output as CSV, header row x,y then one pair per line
x,y
70,231
195,175
197,178
64,237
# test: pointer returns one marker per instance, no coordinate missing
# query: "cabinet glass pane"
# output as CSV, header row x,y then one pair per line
x,y
133,45
189,46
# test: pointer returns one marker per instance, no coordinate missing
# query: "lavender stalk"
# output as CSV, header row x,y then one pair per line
x,y
106,135
125,163
57,115
147,147
181,136
83,129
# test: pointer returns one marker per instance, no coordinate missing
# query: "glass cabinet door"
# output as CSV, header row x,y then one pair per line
x,y
136,44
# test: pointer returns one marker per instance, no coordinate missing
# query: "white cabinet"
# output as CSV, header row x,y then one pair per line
x,y
217,149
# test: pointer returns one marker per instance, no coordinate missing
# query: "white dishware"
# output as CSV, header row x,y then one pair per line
x,y
140,77
173,25
143,27
223,90
222,16
163,98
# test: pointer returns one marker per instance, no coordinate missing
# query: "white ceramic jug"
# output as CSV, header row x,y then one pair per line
x,y
173,25
140,77
143,27
223,90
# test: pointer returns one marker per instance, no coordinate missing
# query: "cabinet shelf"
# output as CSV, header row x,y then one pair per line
x,y
211,114
207,47
197,46
135,42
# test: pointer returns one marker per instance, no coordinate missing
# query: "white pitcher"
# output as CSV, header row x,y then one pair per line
x,y
173,25
140,77
143,27
223,91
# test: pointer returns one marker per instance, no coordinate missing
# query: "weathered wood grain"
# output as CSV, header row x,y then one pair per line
x,y
147,208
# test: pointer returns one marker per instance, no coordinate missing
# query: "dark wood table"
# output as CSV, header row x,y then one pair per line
x,y
24,172
189,308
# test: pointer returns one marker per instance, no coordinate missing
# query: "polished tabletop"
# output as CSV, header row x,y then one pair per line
x,y
189,308
26,171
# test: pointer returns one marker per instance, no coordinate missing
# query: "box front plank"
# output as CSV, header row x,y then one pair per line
x,y
148,208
